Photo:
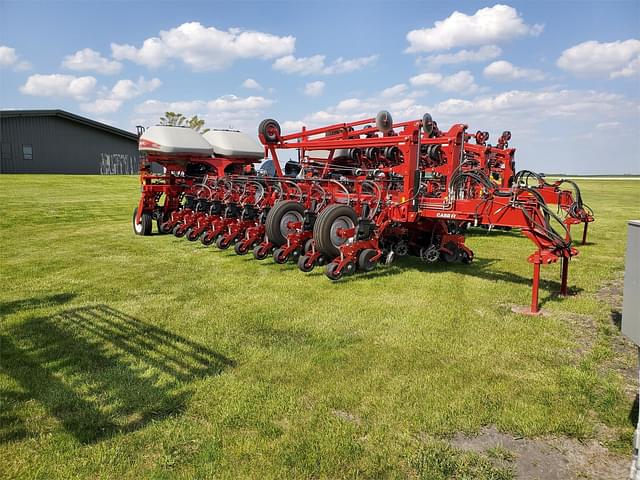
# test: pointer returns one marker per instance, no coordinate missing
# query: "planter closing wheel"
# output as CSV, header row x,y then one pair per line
x,y
279,256
144,227
329,222
331,271
364,260
270,130
278,219
192,235
260,252
241,248
207,238
222,243
304,264
179,231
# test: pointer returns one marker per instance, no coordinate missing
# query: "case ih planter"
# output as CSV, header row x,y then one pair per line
x,y
362,193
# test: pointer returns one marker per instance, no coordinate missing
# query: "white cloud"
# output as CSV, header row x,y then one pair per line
x,y
228,111
314,89
302,65
205,48
226,103
394,91
292,126
503,70
487,52
90,60
615,59
9,58
342,65
123,90
539,103
101,106
461,82
128,89
316,64
488,25
58,85
607,125
251,83
396,99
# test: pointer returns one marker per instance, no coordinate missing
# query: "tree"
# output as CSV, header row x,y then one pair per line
x,y
179,120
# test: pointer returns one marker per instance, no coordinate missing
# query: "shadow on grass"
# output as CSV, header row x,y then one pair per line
x,y
99,372
7,308
478,268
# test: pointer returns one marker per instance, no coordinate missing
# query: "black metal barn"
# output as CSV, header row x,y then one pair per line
x,y
55,141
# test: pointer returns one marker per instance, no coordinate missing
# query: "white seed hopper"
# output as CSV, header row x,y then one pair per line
x,y
170,140
234,144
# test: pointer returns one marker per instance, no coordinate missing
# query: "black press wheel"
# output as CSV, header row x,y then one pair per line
x,y
192,236
207,238
144,227
222,243
279,217
179,231
465,257
304,264
364,260
270,130
241,248
452,257
349,268
260,252
331,272
279,256
325,230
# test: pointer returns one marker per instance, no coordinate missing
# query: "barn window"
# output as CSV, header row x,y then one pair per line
x,y
27,152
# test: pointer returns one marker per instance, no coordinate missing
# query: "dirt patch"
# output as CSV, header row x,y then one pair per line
x,y
349,417
611,293
584,329
546,459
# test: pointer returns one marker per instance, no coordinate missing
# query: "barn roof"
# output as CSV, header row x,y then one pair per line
x,y
69,116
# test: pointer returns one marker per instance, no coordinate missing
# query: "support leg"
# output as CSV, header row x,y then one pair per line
x,y
565,275
584,233
534,288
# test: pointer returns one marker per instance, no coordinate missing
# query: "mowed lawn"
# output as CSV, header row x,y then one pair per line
x,y
153,357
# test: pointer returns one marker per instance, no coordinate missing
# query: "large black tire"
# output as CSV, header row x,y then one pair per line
x,y
278,217
144,227
324,231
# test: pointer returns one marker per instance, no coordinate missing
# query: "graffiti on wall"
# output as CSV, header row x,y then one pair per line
x,y
118,164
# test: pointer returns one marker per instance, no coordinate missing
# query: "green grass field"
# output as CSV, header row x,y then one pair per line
x,y
154,357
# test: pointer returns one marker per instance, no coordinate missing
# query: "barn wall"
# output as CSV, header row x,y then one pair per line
x,y
60,145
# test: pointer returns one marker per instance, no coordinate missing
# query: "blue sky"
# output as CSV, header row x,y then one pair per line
x,y
564,77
